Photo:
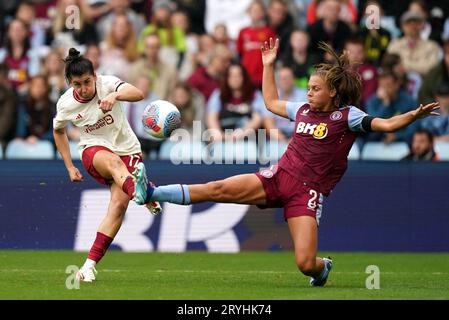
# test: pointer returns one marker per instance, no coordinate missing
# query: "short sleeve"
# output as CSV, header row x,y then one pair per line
x,y
292,109
355,118
59,121
214,103
112,83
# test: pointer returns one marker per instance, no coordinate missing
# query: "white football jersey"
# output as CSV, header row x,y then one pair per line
x,y
110,130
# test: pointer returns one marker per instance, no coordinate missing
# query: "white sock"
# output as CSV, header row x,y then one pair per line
x,y
89,263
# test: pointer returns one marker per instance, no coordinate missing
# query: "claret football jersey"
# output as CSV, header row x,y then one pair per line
x,y
317,154
110,129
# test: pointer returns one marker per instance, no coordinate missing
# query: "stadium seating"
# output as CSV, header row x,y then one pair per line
x,y
42,149
234,151
354,153
381,151
182,151
73,151
442,149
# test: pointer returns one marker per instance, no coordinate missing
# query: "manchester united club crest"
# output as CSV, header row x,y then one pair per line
x,y
336,115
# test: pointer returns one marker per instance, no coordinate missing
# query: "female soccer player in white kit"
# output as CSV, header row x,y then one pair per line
x,y
109,149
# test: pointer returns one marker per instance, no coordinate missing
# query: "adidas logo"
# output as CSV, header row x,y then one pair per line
x,y
79,116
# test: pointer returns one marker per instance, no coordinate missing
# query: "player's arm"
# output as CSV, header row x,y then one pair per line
x,y
269,90
124,92
400,121
62,144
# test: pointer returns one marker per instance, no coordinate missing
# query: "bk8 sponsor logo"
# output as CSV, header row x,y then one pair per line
x,y
318,131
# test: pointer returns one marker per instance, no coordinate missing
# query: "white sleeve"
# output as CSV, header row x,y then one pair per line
x,y
292,109
355,118
59,121
112,83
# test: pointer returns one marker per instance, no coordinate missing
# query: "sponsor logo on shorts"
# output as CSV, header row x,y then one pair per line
x,y
266,173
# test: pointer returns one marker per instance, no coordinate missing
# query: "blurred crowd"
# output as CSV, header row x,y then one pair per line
x,y
204,56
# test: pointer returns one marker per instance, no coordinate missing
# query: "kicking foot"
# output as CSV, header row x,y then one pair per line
x,y
322,278
86,274
140,184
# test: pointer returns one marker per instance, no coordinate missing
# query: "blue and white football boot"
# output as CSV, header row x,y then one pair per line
x,y
322,278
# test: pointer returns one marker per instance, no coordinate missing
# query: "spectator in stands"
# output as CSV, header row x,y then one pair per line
x,y
410,81
206,79
26,13
417,54
281,22
376,38
93,53
221,36
17,55
196,12
36,113
388,101
119,50
422,148
283,128
190,104
8,111
68,31
298,59
233,106
119,7
163,76
206,44
329,28
53,70
433,26
251,39
134,111
172,38
347,13
436,76
367,72
186,63
439,126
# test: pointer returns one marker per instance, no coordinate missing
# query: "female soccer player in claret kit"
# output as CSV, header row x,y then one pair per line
x,y
316,158
109,149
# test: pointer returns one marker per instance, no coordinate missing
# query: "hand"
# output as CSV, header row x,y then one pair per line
x,y
427,110
108,102
269,51
75,174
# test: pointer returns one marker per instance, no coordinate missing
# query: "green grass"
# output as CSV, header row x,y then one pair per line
x,y
199,275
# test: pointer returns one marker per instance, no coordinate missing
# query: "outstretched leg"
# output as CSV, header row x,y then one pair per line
x,y
304,232
244,189
106,232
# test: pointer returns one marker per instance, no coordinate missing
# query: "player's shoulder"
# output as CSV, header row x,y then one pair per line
x,y
66,101
108,81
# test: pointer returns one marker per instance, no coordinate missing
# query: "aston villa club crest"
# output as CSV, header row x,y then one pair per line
x,y
336,115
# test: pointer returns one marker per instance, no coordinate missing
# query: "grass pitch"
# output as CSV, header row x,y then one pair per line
x,y
199,275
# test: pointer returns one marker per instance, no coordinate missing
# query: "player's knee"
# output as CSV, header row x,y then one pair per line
x,y
305,264
119,207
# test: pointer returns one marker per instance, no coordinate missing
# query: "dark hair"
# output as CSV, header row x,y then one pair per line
x,y
26,43
443,89
426,132
76,65
340,76
388,73
247,85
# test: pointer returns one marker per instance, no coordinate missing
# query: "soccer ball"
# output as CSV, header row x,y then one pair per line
x,y
160,118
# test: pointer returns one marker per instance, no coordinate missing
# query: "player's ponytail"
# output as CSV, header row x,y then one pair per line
x,y
341,76
77,65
